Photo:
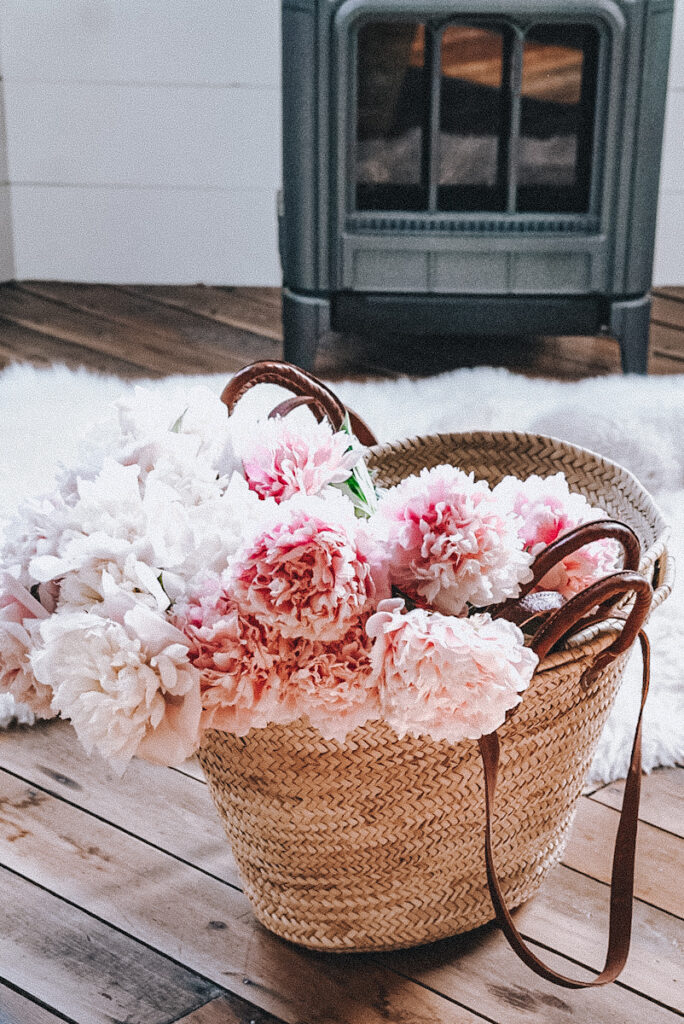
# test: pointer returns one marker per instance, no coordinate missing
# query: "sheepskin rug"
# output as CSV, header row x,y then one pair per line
x,y
638,422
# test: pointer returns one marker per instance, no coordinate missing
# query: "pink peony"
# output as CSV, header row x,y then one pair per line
x,y
449,543
252,676
334,684
445,677
242,663
20,618
291,459
547,509
309,573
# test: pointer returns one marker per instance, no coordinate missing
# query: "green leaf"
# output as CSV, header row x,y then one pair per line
x,y
358,487
178,425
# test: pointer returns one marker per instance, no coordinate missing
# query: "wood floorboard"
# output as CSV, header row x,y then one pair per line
x,y
19,343
192,917
44,758
671,292
223,1011
660,855
667,340
503,990
98,334
661,365
180,330
257,310
568,916
17,1008
667,309
160,350
84,968
156,330
662,799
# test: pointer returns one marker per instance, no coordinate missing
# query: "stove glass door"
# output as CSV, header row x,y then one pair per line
x,y
474,116
557,118
392,121
473,119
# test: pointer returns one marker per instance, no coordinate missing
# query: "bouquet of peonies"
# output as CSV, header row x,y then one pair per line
x,y
194,572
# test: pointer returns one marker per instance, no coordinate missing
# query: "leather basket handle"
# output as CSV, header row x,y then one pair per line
x,y
622,880
324,403
360,429
587,533
573,540
608,589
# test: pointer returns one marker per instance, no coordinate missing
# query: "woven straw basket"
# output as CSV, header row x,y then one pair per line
x,y
378,844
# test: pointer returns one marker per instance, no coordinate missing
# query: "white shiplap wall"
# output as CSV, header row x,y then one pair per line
x,y
7,265
143,142
669,252
143,138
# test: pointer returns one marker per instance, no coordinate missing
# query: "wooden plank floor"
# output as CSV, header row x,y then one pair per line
x,y
153,331
120,900
121,903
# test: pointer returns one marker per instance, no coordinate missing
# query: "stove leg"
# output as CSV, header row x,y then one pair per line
x,y
630,322
305,319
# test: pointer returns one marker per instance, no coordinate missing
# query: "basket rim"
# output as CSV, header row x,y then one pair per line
x,y
520,435
656,556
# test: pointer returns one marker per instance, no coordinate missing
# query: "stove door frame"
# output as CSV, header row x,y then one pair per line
x,y
456,253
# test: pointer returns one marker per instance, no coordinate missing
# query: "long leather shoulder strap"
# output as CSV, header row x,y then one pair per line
x,y
622,881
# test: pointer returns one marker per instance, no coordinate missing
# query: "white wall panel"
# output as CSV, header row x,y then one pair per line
x,y
4,173
217,41
676,79
668,263
669,251
672,167
85,133
7,270
129,236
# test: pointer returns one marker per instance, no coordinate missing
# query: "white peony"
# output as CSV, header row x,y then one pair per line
x,y
127,687
34,531
20,618
151,536
146,417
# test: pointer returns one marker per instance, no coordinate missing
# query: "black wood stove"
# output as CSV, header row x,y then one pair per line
x,y
471,167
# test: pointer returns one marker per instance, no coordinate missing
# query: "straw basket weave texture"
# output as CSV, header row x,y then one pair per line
x,y
378,844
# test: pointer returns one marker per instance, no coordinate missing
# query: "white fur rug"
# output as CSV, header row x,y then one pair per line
x,y
638,422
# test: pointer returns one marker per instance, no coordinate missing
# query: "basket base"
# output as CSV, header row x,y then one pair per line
x,y
336,856
347,944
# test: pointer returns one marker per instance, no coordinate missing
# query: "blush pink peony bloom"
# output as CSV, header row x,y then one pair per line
x,y
252,676
449,543
445,677
242,663
310,571
20,618
303,458
334,684
547,509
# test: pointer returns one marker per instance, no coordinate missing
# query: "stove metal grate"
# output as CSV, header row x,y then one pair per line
x,y
472,225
